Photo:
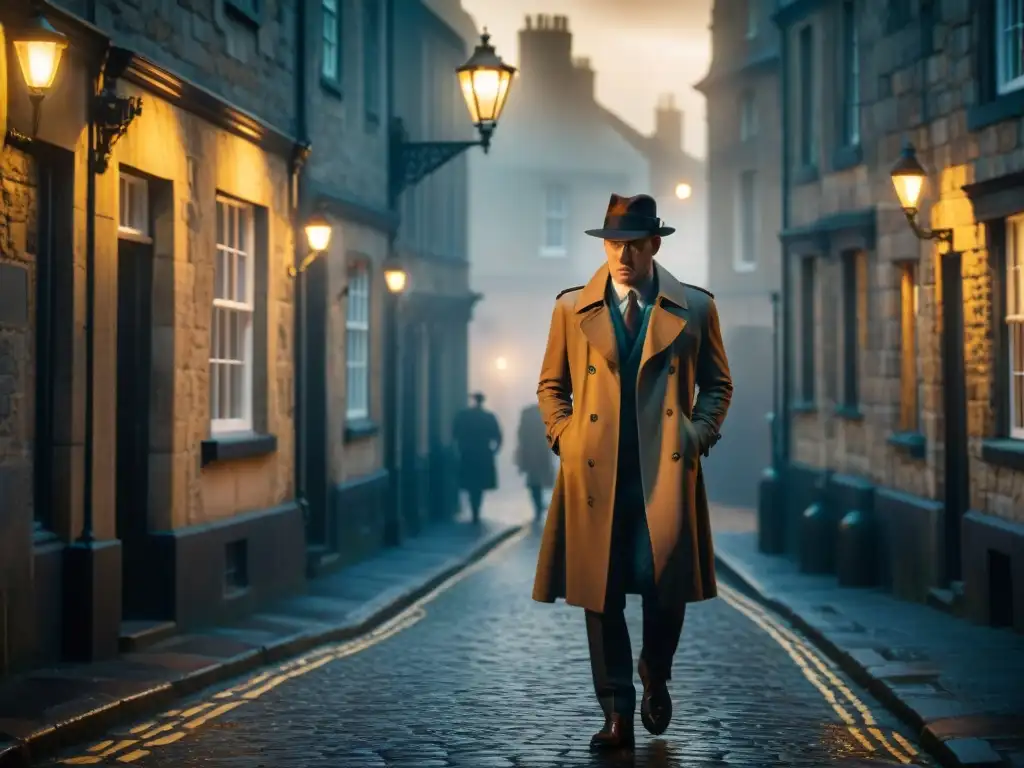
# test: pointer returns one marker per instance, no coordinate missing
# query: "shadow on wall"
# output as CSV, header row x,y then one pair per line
x,y
733,470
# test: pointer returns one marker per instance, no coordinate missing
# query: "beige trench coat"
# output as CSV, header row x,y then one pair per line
x,y
578,395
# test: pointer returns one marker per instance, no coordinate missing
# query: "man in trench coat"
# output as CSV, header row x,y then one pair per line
x,y
629,513
533,458
477,437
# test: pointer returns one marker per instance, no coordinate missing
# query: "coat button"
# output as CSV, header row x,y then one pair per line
x,y
590,501
593,417
591,369
675,457
668,412
671,369
590,462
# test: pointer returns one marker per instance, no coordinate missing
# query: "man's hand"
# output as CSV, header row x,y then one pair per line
x,y
699,440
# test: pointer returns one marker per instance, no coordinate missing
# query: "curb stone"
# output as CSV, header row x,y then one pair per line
x,y
947,752
51,737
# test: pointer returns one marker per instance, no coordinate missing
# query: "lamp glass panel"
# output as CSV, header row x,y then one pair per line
x,y
908,190
395,279
318,236
39,61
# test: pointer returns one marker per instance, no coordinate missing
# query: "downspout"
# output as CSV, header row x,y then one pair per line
x,y
297,196
86,536
785,288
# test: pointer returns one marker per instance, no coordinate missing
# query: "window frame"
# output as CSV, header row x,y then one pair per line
x,y
547,250
910,347
1013,314
808,346
806,98
850,112
1004,87
335,77
246,307
127,184
748,115
372,52
850,327
742,260
358,322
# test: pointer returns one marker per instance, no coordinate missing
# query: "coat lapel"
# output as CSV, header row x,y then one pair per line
x,y
595,316
668,316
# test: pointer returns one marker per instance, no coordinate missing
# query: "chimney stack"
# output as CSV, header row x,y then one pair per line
x,y
545,50
668,122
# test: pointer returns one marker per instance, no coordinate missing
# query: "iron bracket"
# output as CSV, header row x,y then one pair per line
x,y
411,162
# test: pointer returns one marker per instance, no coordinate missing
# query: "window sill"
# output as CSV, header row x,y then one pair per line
x,y
358,429
805,175
849,412
910,443
804,406
1005,452
331,86
744,267
1002,108
238,445
847,157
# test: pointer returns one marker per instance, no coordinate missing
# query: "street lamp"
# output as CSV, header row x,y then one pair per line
x,y
485,81
396,280
683,190
39,48
501,364
318,237
908,177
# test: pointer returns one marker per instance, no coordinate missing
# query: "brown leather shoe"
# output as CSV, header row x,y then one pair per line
x,y
656,704
616,734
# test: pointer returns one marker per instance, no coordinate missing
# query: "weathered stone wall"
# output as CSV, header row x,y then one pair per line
x,y
201,161
906,94
250,63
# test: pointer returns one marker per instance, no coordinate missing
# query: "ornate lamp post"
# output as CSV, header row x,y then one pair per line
x,y
396,279
39,48
318,239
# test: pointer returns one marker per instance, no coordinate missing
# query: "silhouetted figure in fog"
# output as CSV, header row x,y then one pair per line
x,y
533,456
477,437
628,514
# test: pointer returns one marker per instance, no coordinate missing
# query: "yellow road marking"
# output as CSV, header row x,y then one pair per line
x,y
159,729
101,746
805,657
143,727
270,679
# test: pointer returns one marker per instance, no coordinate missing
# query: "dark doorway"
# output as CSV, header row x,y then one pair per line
x,y
955,392
410,426
134,366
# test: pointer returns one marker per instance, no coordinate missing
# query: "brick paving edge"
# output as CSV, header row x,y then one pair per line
x,y
51,737
859,672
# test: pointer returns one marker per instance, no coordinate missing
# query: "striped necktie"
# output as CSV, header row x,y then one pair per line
x,y
631,317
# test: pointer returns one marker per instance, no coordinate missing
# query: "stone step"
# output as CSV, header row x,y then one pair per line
x,y
139,634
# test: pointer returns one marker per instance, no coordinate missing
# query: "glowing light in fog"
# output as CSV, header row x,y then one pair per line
x,y
683,190
501,364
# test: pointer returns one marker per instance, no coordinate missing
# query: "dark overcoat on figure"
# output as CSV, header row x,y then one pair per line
x,y
682,350
533,458
477,437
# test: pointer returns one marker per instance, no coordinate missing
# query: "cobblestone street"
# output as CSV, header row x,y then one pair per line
x,y
480,676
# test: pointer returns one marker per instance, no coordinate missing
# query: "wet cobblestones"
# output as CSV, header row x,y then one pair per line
x,y
489,679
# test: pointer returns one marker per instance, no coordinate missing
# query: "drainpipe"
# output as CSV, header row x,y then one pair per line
x,y
786,289
298,201
86,536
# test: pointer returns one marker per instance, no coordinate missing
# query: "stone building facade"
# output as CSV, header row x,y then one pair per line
x,y
557,156
902,373
744,177
354,52
188,514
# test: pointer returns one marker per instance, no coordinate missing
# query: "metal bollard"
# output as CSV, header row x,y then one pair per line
x,y
815,540
855,560
771,521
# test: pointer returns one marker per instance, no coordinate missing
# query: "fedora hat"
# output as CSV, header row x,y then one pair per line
x,y
631,218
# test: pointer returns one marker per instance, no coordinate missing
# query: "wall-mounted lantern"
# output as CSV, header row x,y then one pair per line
x,y
485,81
395,276
39,48
908,177
318,238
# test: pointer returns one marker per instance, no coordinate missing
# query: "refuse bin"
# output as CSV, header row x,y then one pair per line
x,y
815,540
771,519
855,551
